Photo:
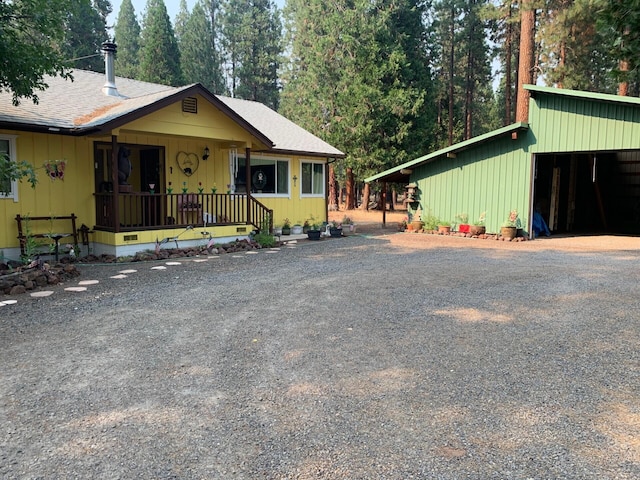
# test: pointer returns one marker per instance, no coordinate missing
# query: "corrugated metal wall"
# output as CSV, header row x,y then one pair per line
x,y
568,124
493,177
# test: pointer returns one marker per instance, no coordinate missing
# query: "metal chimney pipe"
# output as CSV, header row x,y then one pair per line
x,y
109,49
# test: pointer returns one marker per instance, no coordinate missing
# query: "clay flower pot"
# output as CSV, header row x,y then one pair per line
x,y
508,232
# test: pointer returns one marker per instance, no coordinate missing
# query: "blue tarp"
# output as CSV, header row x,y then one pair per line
x,y
539,225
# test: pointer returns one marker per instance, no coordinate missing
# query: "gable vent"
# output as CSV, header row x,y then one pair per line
x,y
190,105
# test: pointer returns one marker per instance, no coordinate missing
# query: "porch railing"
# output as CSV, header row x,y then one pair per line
x,y
147,211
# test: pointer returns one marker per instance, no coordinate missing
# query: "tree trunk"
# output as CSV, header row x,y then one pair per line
x,y
526,60
508,67
392,200
333,189
623,87
451,71
366,192
350,198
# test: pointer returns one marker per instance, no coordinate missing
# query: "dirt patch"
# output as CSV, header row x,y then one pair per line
x,y
370,223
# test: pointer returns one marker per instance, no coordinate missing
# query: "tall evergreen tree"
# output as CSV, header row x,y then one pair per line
x,y
200,62
252,38
159,54
619,22
85,32
127,36
360,78
572,51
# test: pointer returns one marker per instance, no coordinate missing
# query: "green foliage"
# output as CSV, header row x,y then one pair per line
x,y
12,171
30,31
85,33
200,62
127,36
159,55
30,245
252,39
265,239
359,78
619,22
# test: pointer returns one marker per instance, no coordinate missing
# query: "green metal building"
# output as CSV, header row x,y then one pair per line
x,y
576,162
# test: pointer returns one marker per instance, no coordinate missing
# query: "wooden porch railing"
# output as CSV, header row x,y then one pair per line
x,y
147,211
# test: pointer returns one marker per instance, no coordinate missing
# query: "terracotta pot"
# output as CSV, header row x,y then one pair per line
x,y
444,229
477,229
417,225
508,232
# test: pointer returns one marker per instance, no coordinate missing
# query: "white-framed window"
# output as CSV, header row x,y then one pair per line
x,y
8,153
312,179
269,176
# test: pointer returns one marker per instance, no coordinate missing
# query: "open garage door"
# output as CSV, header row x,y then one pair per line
x,y
586,193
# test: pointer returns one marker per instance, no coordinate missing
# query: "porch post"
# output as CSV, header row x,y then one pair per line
x,y
114,179
384,204
248,182
326,190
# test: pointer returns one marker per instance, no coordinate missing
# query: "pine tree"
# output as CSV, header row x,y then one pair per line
x,y
619,23
85,32
360,79
199,60
159,54
572,51
253,42
127,36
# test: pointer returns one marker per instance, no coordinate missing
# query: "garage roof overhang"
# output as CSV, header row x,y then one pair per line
x,y
402,173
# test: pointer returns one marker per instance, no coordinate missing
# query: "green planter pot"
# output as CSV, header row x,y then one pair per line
x,y
313,234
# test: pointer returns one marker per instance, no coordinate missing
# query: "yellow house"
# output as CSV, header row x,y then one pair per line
x,y
136,162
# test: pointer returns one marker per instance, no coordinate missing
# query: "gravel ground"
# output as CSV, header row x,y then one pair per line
x,y
369,357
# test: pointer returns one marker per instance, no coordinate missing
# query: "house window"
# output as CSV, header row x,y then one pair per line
x,y
8,154
312,182
268,176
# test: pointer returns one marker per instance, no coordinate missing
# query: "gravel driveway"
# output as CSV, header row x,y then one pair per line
x,y
354,358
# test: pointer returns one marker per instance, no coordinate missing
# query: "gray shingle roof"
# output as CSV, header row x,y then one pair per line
x,y
80,105
285,134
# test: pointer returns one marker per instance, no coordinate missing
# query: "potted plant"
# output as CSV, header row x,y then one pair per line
x,y
416,221
444,227
305,226
478,227
348,227
510,227
402,226
296,229
463,222
335,230
286,227
313,232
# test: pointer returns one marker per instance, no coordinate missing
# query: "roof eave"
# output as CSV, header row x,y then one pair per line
x,y
302,153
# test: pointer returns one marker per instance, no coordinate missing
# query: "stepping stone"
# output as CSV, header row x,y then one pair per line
x,y
174,263
10,302
118,276
159,267
212,256
127,271
275,249
88,282
76,289
237,256
43,293
272,251
200,260
252,252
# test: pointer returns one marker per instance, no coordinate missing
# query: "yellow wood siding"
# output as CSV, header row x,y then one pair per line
x,y
209,123
75,194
